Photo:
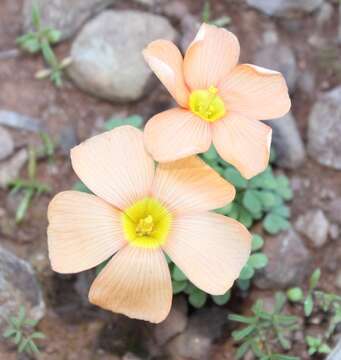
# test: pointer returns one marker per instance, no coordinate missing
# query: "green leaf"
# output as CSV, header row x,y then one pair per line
x,y
283,357
101,266
281,210
245,217
21,315
280,300
243,284
241,334
18,338
242,350
23,345
258,260
35,15
314,279
295,294
178,275
31,45
133,120
233,176
247,272
313,341
24,205
324,349
80,186
33,347
197,298
38,335
53,35
190,288
31,322
257,242
308,305
273,223
267,198
252,202
9,332
221,299
234,211
179,286
242,319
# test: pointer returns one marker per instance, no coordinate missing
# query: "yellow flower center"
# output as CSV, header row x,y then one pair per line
x,y
146,223
207,104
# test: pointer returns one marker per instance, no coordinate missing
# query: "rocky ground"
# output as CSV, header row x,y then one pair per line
x,y
104,38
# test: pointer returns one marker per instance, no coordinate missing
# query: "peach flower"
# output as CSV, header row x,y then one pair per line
x,y
219,101
139,213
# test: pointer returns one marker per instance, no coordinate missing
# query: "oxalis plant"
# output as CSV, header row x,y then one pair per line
x,y
41,40
262,199
21,331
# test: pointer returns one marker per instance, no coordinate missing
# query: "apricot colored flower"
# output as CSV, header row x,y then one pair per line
x,y
219,101
138,214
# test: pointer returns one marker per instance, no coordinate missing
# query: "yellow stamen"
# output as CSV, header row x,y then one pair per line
x,y
146,223
207,104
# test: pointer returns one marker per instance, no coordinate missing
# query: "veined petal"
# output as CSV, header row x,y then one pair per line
x,y
255,92
210,249
210,57
191,186
175,134
166,61
244,143
137,283
83,231
115,166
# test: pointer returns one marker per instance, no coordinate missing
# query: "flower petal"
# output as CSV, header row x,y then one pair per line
x,y
175,134
166,61
243,143
255,92
211,249
136,282
210,57
83,231
189,185
115,166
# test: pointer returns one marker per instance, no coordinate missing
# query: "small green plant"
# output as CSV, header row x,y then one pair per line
x,y
31,187
326,305
207,14
273,190
265,332
261,198
41,40
21,331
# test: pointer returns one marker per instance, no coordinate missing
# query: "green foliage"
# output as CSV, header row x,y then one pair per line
x,y
132,120
261,198
265,332
207,14
41,40
21,331
328,304
31,187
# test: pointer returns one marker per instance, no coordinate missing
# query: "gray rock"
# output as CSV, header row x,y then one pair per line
x,y
63,15
6,144
289,262
175,9
324,130
287,141
18,286
195,342
285,8
107,54
336,353
281,58
174,324
19,121
10,169
315,226
325,14
189,27
334,210
306,82
67,139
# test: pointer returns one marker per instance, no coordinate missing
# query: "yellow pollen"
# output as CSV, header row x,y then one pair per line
x,y
145,226
146,223
207,104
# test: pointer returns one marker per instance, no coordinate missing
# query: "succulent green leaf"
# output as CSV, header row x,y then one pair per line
x,y
233,176
197,298
258,260
257,242
247,272
178,275
221,299
251,201
295,294
133,120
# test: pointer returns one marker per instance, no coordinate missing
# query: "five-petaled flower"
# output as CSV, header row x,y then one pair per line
x,y
138,213
219,101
